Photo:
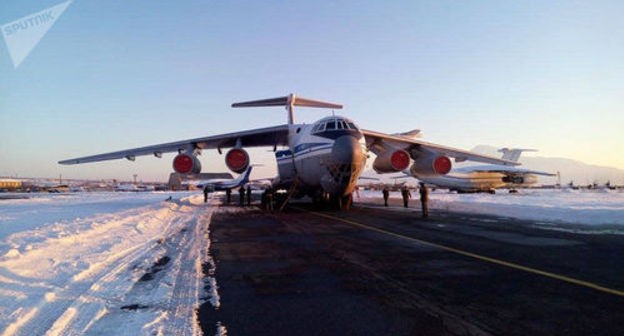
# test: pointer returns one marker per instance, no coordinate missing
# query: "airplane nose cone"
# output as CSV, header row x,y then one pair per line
x,y
347,150
347,162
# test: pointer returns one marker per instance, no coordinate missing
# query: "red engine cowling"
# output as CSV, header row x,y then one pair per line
x,y
186,164
237,160
431,165
391,161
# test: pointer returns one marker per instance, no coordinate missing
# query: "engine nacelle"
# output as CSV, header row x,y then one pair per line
x,y
185,163
391,161
516,179
237,160
431,165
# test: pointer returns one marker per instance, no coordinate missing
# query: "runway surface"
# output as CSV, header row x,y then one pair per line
x,y
377,270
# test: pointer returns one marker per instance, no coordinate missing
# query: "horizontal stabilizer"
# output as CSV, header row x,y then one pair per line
x,y
287,101
290,102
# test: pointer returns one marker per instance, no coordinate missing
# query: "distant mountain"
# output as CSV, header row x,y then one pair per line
x,y
570,170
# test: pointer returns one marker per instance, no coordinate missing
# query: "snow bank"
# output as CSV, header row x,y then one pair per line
x,y
108,263
579,207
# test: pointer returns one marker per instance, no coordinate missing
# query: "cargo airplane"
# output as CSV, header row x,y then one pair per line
x,y
486,178
322,160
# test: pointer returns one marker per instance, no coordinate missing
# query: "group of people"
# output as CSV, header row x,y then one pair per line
x,y
406,195
241,195
244,194
267,197
244,197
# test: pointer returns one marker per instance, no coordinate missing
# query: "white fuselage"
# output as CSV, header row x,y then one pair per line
x,y
325,157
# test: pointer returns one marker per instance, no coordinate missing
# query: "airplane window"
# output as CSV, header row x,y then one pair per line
x,y
339,124
352,126
344,124
331,125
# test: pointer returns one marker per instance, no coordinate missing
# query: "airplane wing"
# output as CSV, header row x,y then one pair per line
x,y
512,171
270,136
416,145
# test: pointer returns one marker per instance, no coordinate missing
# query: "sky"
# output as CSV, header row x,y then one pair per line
x,y
114,75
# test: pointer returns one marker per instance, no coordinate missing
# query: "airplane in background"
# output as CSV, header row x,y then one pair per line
x,y
322,160
486,178
227,184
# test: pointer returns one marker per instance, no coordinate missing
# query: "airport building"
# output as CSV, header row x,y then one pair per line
x,y
10,184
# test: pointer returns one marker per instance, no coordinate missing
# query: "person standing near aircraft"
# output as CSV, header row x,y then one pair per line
x,y
386,194
241,196
228,196
269,199
248,195
406,195
206,194
424,200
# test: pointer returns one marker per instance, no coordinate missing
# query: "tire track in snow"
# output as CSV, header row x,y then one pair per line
x,y
107,290
170,296
75,305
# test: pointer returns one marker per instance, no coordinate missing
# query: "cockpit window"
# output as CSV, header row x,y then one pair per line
x,y
334,124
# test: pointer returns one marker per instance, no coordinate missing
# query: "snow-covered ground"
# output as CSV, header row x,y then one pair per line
x,y
130,263
578,210
104,263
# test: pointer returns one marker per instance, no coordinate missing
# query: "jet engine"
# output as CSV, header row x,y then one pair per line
x,y
431,165
237,160
391,161
185,163
515,179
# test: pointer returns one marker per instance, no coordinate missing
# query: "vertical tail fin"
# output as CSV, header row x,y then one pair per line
x,y
243,178
246,174
513,154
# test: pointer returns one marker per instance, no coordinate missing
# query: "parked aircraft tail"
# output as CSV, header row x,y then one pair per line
x,y
242,179
513,154
413,134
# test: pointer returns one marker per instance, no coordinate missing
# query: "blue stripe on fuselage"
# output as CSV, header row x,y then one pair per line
x,y
300,149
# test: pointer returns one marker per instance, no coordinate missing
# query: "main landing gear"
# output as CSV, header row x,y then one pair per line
x,y
326,201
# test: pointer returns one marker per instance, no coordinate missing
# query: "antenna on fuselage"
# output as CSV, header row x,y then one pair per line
x,y
290,102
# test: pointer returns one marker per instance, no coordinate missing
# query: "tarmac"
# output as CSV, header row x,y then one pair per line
x,y
386,271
